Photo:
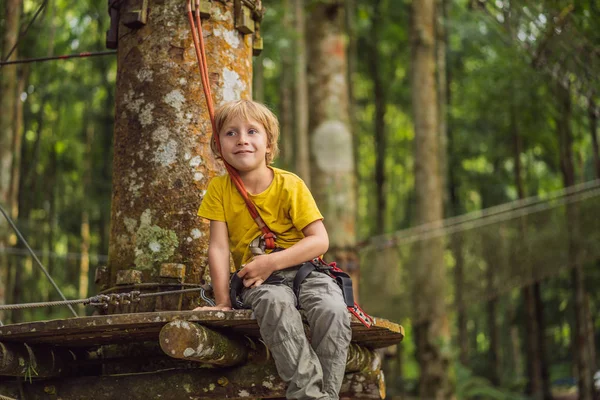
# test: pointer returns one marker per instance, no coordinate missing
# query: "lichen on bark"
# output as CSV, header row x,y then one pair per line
x,y
154,245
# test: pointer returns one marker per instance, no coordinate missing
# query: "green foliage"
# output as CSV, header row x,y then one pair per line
x,y
472,387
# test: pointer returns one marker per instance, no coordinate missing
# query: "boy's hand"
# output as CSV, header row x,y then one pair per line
x,y
256,271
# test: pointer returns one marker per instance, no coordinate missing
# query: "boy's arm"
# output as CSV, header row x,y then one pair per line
x,y
314,244
218,261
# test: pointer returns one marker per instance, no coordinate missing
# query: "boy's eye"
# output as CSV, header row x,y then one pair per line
x,y
252,131
230,133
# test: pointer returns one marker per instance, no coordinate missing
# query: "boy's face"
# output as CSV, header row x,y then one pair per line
x,y
244,144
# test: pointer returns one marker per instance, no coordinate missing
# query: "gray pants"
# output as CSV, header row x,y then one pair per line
x,y
312,370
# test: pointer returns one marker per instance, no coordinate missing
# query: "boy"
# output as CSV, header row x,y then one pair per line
x,y
248,133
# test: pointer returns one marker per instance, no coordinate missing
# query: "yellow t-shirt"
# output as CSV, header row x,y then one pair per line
x,y
286,206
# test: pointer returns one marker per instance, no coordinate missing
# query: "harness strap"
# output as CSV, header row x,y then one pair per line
x,y
342,279
301,275
236,285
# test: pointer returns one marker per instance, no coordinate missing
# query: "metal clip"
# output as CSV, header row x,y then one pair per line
x,y
258,246
125,298
100,301
112,35
135,296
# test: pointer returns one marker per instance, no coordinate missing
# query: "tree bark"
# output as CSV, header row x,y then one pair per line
x,y
431,327
162,159
379,95
332,161
8,98
190,341
580,350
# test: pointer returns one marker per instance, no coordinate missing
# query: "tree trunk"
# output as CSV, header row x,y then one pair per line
x,y
580,350
13,197
51,190
491,250
303,166
8,97
286,112
543,361
431,327
258,80
490,256
162,159
84,263
8,100
594,132
379,94
456,239
106,143
350,12
332,162
443,85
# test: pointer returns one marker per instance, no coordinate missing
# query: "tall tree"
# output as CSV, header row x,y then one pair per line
x,y
8,101
332,161
429,287
379,97
593,117
303,166
8,97
580,348
286,103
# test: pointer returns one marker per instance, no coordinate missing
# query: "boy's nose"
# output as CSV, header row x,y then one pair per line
x,y
242,139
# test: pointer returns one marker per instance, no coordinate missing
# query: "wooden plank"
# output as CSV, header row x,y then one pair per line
x,y
105,329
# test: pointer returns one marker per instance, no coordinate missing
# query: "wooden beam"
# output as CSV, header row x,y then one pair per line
x,y
21,360
139,327
245,382
190,341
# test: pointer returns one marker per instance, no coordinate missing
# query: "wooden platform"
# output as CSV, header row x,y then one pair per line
x,y
123,328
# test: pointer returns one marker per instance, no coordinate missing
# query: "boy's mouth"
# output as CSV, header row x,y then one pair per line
x,y
243,152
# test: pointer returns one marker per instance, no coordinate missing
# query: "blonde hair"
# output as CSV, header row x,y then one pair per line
x,y
248,109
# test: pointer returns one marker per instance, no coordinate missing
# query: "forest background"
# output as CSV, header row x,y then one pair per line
x,y
516,84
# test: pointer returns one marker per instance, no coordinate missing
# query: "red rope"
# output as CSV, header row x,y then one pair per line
x,y
198,38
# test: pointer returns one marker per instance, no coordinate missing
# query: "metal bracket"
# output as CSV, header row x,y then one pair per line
x,y
243,16
205,6
257,40
112,35
135,15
